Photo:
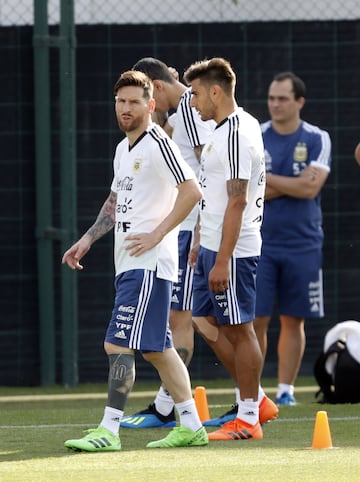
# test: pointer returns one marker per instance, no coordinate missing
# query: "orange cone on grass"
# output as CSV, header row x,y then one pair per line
x,y
202,403
322,435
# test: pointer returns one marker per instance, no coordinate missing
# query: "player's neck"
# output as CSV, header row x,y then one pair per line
x,y
225,109
175,95
286,128
134,135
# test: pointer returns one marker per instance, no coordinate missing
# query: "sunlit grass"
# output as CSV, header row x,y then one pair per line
x,y
32,436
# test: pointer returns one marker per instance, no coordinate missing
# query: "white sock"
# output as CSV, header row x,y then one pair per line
x,y
164,402
188,414
248,411
111,420
261,394
284,388
237,395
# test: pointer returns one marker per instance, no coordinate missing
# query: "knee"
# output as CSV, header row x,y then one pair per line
x,y
261,323
292,325
109,348
151,356
209,331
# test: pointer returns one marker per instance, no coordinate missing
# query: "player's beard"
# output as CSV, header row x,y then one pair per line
x,y
130,125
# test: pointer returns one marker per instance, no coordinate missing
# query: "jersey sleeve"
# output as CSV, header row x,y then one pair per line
x,y
239,160
116,161
197,131
322,153
167,159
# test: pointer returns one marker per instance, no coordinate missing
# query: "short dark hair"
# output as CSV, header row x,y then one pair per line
x,y
136,79
212,71
155,69
298,84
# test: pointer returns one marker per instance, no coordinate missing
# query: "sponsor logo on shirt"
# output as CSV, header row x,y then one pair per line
x,y
261,179
125,184
125,314
121,335
314,296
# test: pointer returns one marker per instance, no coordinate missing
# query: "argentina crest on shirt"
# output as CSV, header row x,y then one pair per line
x,y
300,152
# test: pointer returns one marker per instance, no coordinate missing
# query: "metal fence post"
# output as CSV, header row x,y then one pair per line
x,y
69,303
43,195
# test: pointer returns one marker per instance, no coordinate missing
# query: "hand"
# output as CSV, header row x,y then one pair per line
x,y
219,277
174,73
141,242
77,251
310,172
193,256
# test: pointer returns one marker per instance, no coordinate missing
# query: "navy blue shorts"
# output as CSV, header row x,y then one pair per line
x,y
182,294
235,305
140,318
293,279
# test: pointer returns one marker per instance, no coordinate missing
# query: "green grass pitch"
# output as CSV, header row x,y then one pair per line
x,y
35,422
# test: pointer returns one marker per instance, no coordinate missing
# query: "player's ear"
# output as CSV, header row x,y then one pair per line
x,y
158,85
215,91
151,106
301,102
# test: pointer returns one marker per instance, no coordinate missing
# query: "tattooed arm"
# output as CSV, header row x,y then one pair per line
x,y
103,224
237,199
105,220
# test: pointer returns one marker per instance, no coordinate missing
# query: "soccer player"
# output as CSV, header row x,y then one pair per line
x,y
298,157
152,191
232,177
190,134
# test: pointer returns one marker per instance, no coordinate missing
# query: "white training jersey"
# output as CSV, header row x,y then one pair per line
x,y
145,180
190,132
235,151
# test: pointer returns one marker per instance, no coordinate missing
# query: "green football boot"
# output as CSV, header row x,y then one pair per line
x,y
97,440
182,437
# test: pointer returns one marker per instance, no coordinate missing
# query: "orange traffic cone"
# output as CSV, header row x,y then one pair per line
x,y
322,435
202,403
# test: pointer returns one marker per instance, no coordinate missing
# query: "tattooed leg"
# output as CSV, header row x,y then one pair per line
x,y
121,379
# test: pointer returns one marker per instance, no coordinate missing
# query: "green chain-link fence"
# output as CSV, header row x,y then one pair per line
x,y
13,12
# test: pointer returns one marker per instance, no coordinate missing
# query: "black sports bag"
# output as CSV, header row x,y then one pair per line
x,y
337,369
